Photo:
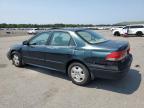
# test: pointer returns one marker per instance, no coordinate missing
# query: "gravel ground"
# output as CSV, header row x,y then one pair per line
x,y
11,33
32,87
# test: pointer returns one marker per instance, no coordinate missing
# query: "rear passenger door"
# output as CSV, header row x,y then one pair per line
x,y
60,50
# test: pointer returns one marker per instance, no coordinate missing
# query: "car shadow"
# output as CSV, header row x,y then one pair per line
x,y
127,85
47,72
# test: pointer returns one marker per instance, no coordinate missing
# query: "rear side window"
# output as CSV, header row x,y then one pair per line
x,y
61,39
136,27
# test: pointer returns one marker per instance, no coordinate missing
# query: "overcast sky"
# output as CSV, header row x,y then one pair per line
x,y
71,11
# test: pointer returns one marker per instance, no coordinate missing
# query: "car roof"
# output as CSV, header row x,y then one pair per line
x,y
68,29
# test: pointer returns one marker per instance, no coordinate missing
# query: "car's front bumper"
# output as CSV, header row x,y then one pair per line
x,y
9,54
112,73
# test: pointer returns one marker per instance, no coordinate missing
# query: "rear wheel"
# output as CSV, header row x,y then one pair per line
x,y
16,59
79,74
139,33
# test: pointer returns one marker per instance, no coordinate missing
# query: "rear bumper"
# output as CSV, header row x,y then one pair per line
x,y
113,73
109,74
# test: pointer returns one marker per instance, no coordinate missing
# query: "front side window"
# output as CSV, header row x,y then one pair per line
x,y
90,36
126,27
61,39
41,39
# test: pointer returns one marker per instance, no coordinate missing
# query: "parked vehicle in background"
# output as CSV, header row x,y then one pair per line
x,y
80,53
1,29
137,30
113,28
32,31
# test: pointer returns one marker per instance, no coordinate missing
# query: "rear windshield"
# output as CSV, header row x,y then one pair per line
x,y
91,36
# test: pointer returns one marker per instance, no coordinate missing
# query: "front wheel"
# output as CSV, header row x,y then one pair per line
x,y
16,59
79,74
117,34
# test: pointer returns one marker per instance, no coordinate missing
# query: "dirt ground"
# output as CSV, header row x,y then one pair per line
x,y
32,87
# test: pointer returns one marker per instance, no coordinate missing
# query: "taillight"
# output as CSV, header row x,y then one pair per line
x,y
116,56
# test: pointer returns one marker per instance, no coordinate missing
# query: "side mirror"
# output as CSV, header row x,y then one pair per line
x,y
25,42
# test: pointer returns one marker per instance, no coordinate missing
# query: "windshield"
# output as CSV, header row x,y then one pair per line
x,y
90,36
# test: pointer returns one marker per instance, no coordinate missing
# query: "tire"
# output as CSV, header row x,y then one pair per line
x,y
117,34
139,33
17,60
79,74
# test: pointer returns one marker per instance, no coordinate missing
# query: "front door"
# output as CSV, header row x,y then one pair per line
x,y
33,53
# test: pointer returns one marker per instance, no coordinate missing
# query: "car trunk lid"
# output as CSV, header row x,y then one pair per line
x,y
114,45
117,49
